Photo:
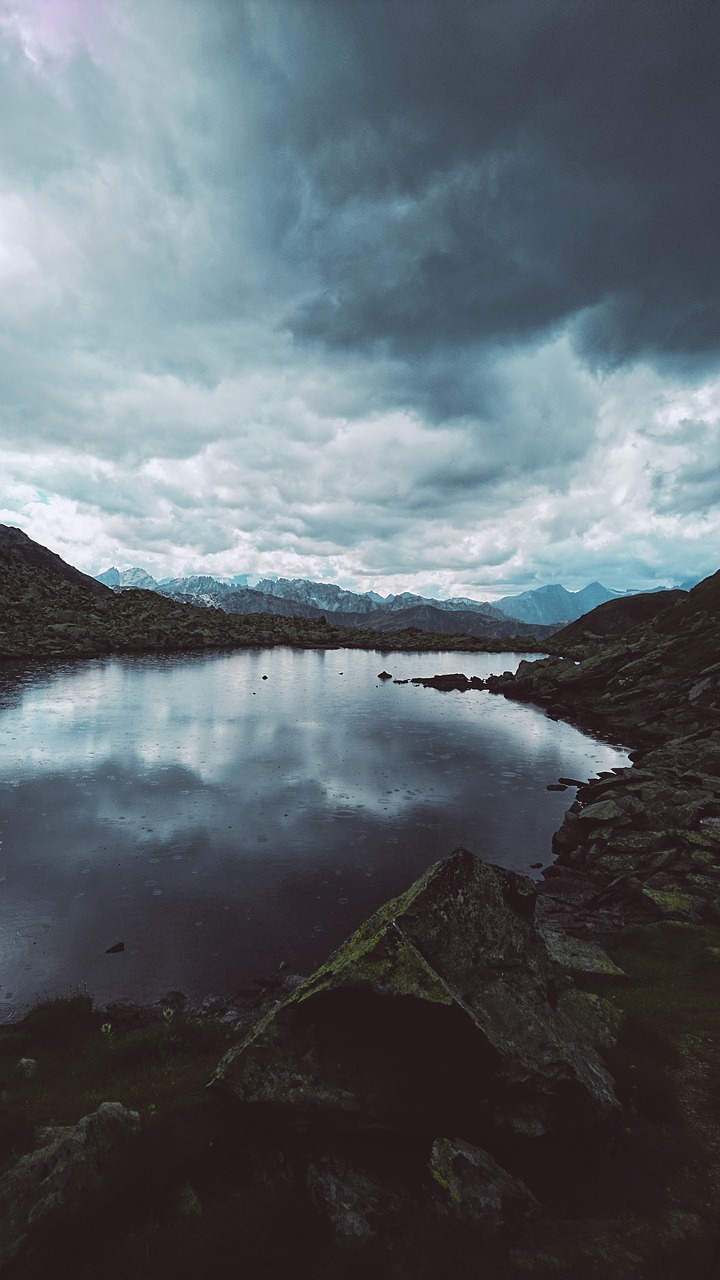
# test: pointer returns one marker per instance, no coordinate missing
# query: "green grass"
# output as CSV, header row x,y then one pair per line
x,y
81,1064
674,977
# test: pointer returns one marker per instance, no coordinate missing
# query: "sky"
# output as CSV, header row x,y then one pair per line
x,y
400,294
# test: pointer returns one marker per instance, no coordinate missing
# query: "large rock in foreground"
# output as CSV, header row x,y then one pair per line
x,y
438,1016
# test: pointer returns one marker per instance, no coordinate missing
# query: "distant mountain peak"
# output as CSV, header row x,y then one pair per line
x,y
551,605
135,577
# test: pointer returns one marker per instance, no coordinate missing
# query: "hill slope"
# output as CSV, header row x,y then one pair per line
x,y
549,606
23,561
428,617
639,680
615,617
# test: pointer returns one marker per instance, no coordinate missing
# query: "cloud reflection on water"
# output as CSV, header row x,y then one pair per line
x,y
220,823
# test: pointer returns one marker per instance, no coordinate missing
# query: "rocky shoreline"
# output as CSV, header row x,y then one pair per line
x,y
641,844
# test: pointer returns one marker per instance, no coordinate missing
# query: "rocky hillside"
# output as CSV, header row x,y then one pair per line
x,y
616,617
28,569
657,677
428,617
456,1092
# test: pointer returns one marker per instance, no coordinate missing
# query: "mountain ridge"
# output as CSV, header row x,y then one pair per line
x,y
551,605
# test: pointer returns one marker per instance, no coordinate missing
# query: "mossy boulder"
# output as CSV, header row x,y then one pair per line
x,y
580,958
438,1016
474,1188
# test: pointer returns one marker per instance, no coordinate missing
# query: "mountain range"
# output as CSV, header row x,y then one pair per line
x,y
47,607
550,606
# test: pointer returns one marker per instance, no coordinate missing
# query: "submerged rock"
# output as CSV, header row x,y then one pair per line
x,y
437,1016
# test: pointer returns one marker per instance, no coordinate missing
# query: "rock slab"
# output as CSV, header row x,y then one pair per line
x,y
439,1015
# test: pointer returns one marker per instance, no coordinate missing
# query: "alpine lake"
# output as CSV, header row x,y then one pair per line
x,y
192,823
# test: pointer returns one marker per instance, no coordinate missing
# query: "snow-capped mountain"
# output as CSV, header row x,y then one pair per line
x,y
548,606
120,578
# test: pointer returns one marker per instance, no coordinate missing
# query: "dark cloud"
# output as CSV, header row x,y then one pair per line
x,y
464,173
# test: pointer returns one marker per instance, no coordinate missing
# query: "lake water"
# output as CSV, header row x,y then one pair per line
x,y
219,823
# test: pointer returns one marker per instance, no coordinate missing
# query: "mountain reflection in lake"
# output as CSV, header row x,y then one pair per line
x,y
220,823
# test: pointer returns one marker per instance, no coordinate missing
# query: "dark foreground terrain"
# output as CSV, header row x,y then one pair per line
x,y
484,1080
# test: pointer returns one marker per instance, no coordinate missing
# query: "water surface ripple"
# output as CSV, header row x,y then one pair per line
x,y
219,823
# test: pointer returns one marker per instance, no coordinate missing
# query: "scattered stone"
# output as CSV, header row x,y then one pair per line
x,y
601,811
213,1006
449,683
61,1177
384,675
175,1000
476,1189
128,1015
699,689
115,948
580,958
674,905
188,1205
600,1021
348,1196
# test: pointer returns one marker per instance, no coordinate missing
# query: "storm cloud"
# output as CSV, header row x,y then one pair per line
x,y
397,294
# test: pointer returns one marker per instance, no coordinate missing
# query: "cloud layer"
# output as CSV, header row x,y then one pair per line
x,y
403,296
